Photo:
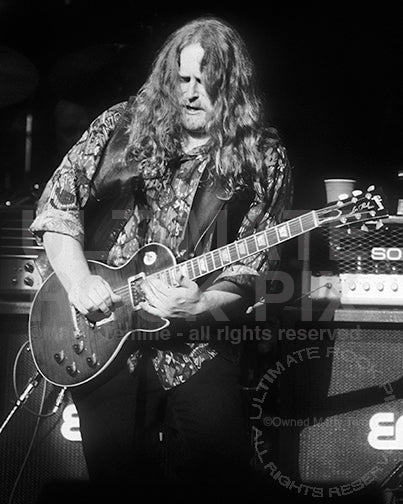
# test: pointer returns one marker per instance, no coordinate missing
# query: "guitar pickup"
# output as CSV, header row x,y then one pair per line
x,y
136,294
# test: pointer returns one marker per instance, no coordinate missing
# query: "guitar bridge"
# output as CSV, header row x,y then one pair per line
x,y
95,320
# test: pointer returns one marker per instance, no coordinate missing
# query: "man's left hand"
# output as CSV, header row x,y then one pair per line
x,y
184,300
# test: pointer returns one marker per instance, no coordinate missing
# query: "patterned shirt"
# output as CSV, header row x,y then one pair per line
x,y
169,201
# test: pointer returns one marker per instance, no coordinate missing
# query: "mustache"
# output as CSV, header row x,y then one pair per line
x,y
195,104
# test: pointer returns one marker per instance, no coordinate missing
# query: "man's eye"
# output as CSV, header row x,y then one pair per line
x,y
184,79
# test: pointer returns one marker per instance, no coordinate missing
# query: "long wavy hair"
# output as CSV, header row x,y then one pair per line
x,y
236,129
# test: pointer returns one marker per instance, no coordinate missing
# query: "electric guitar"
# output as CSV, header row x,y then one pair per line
x,y
70,349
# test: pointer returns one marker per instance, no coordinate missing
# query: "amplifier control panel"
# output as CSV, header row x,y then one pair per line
x,y
324,287
19,274
371,289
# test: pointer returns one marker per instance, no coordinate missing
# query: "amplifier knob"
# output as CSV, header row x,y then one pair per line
x,y
28,281
352,286
380,286
394,287
366,286
29,267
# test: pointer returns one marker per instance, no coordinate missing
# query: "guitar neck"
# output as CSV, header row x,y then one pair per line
x,y
223,256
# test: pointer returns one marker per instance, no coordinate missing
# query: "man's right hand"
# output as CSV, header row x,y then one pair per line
x,y
92,295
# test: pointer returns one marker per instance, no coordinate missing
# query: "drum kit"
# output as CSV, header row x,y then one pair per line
x,y
88,79
18,77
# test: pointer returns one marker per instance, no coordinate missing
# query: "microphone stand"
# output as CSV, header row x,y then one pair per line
x,y
391,486
33,382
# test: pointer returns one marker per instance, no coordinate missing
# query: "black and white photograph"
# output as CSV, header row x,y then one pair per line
x,y
201,253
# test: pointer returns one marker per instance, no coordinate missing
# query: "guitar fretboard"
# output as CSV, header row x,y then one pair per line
x,y
240,249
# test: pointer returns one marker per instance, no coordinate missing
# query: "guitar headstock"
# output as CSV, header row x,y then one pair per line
x,y
361,207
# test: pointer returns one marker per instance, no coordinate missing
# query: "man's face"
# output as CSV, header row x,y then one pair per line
x,y
197,106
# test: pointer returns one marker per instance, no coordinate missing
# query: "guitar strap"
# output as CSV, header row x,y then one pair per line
x,y
213,222
116,189
112,198
199,228
109,205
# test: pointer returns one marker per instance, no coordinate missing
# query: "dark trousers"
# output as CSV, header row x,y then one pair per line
x,y
185,444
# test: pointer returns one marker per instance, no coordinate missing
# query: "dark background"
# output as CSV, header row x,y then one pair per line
x,y
332,79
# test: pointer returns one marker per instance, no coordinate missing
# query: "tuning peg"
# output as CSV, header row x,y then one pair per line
x,y
356,192
378,224
372,213
358,216
343,196
343,219
364,228
371,188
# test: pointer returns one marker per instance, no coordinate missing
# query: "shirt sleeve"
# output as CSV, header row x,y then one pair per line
x,y
273,196
66,192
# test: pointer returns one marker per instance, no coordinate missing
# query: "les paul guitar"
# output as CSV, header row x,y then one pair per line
x,y
68,349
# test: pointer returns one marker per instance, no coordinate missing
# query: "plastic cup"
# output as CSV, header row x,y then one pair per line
x,y
336,187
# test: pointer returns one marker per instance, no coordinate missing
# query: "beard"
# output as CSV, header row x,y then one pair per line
x,y
195,123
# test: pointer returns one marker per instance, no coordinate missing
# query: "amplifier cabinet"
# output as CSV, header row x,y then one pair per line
x,y
20,270
55,463
340,403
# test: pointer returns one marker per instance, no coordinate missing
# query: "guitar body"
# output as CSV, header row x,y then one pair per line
x,y
67,348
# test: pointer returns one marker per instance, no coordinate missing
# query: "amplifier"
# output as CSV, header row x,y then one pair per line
x,y
362,266
20,270
19,274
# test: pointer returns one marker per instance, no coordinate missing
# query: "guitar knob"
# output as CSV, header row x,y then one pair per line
x,y
92,361
59,357
72,370
78,347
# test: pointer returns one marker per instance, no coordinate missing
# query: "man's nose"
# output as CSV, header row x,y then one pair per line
x,y
192,90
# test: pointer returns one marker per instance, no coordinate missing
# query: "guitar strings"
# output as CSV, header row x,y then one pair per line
x,y
250,240
125,291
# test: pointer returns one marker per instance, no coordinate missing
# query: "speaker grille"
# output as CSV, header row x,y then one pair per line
x,y
358,376
53,458
342,250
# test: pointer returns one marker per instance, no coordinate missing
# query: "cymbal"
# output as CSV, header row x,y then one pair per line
x,y
18,77
92,70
